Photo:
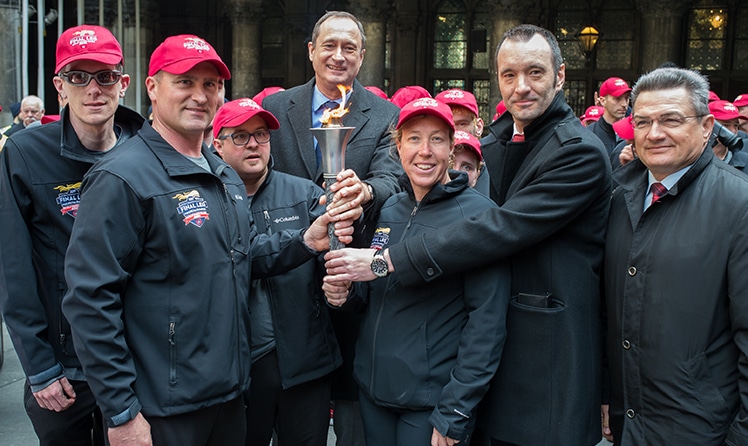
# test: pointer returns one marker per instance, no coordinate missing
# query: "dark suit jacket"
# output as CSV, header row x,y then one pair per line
x,y
554,193
367,153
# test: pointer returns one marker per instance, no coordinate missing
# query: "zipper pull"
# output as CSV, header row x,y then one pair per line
x,y
172,332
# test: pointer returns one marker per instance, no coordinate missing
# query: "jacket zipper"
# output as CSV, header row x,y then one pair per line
x,y
232,254
381,306
268,228
173,352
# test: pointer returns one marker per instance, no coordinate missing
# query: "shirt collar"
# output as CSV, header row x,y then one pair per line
x,y
670,180
318,99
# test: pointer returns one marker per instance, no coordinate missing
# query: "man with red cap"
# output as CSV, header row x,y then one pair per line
x,y
464,108
467,156
159,265
741,102
726,142
592,115
467,118
614,98
293,346
41,170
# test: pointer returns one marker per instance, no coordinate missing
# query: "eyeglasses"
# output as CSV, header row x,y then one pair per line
x,y
242,138
670,121
82,78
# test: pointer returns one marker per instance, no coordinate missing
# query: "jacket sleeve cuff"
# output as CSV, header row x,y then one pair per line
x,y
42,380
457,429
125,416
413,263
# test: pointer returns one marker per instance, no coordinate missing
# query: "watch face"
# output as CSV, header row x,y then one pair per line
x,y
379,266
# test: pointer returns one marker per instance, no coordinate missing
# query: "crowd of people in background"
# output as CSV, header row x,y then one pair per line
x,y
535,278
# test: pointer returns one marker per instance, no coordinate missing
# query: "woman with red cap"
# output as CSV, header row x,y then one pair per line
x,y
425,355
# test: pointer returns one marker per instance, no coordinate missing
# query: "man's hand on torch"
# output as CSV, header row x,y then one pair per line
x,y
336,292
343,213
349,190
349,265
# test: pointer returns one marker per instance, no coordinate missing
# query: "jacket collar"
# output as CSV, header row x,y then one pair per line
x,y
632,180
557,111
127,121
300,114
458,182
174,162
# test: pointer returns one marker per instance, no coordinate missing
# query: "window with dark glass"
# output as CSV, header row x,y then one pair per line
x,y
461,53
450,42
707,31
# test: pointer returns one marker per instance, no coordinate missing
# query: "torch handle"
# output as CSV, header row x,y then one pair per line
x,y
335,244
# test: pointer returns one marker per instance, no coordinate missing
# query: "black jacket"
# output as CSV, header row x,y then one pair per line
x,y
41,170
158,271
433,346
304,338
677,299
605,132
553,191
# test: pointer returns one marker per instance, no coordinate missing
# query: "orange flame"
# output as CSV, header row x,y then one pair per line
x,y
332,117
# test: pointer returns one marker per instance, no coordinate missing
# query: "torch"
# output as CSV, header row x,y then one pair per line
x,y
332,139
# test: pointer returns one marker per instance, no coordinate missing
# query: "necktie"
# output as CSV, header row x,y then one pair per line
x,y
518,137
329,105
658,191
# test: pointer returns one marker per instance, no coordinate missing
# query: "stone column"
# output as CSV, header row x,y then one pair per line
x,y
298,32
661,32
505,15
246,25
137,68
406,45
373,16
11,36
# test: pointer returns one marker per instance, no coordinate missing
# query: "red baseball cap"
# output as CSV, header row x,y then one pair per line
x,y
624,128
408,94
179,54
724,111
614,86
741,100
239,111
470,141
458,97
500,109
87,42
713,96
426,106
593,113
259,97
377,91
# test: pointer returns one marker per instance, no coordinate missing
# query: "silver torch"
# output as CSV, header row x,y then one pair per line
x,y
332,139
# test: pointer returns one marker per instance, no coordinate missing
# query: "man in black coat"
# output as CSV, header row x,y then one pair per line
x,y
552,180
336,51
675,284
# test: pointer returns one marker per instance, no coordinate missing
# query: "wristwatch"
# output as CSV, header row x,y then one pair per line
x,y
379,264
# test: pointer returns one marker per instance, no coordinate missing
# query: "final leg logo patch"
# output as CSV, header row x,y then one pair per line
x,y
193,208
69,198
381,238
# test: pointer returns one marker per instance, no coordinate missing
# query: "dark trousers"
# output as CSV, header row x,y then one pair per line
x,y
349,429
300,415
219,425
79,425
384,426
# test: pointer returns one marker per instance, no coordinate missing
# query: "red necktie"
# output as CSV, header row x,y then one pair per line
x,y
518,137
658,191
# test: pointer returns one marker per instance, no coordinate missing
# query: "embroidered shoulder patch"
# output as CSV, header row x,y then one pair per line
x,y
69,197
381,238
192,207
